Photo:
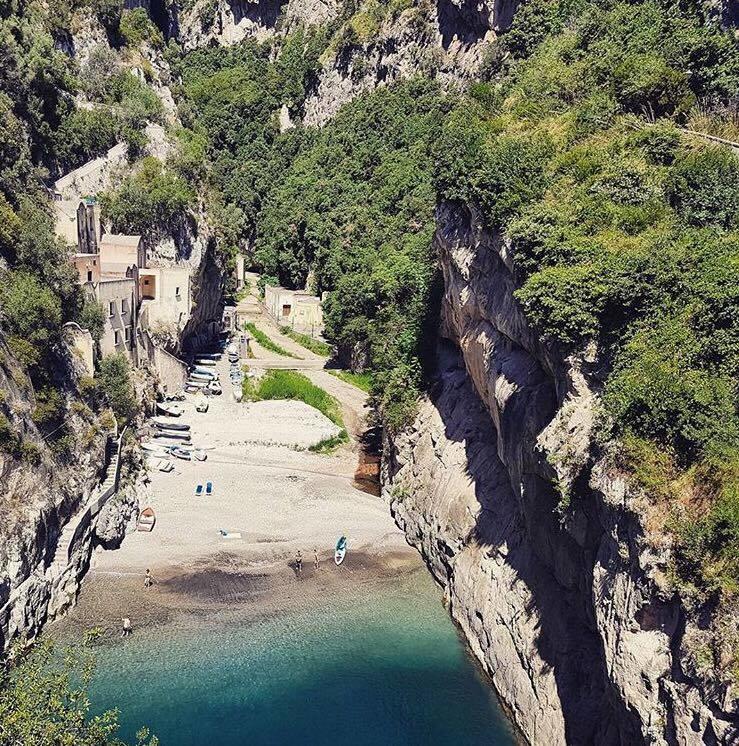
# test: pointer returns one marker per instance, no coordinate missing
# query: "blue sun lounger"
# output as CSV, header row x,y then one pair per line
x,y
199,490
208,489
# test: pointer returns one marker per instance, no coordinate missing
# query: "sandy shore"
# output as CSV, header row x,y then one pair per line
x,y
279,497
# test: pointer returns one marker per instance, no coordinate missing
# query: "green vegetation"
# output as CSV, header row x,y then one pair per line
x,y
114,381
305,340
625,236
43,700
151,198
289,384
265,341
137,28
360,380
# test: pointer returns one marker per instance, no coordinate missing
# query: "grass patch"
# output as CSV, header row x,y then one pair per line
x,y
289,384
266,342
360,380
314,345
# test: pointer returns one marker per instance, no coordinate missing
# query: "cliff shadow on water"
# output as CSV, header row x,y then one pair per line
x,y
519,531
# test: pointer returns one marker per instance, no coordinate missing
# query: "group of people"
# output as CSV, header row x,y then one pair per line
x,y
299,561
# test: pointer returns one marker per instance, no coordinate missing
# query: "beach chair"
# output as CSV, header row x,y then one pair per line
x,y
199,490
208,489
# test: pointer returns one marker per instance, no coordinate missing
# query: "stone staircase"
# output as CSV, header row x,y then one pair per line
x,y
91,507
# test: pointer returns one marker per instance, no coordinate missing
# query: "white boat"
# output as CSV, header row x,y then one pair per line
x,y
160,464
158,450
215,388
340,551
182,453
199,455
202,405
238,392
205,361
171,410
201,377
193,384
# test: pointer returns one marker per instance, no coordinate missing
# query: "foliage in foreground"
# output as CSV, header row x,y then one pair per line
x,y
289,384
44,700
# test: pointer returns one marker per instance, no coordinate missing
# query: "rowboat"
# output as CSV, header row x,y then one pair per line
x,y
163,424
160,464
206,361
215,388
184,437
340,551
171,410
202,405
155,449
194,384
201,370
147,519
209,357
205,378
182,453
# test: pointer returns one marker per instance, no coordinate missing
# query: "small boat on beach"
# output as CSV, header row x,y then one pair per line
x,y
156,449
215,388
191,386
202,405
204,370
184,437
181,453
147,519
209,357
160,464
205,361
163,424
340,551
171,410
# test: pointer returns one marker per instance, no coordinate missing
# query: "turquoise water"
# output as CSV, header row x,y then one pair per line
x,y
387,667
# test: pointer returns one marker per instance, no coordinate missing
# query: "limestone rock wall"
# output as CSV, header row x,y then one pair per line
x,y
566,609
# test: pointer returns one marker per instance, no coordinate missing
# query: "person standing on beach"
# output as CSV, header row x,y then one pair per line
x,y
148,581
315,558
126,627
299,562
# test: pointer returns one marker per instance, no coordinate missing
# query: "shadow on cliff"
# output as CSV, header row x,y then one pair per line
x,y
519,523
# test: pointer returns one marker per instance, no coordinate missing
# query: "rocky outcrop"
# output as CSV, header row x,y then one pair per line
x,y
444,40
562,600
42,487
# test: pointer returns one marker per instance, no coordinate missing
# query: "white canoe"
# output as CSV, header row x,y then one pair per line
x,y
204,361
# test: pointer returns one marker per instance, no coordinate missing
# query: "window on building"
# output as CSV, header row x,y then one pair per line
x,y
124,307
127,332
89,275
286,309
117,337
177,292
111,308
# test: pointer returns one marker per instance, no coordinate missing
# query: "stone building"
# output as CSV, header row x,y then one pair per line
x,y
114,270
294,308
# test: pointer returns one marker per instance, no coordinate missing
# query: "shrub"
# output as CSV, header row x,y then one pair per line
x,y
704,187
114,381
137,28
31,314
150,199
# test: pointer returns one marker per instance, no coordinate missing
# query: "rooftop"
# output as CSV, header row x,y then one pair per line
x,y
116,239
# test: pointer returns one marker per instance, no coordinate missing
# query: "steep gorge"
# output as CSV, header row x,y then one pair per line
x,y
570,615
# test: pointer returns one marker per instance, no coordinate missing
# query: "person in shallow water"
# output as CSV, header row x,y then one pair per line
x,y
148,581
126,627
315,558
299,562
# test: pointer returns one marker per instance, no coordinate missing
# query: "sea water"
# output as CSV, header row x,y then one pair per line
x,y
381,665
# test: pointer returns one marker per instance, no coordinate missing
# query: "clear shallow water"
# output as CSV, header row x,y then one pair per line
x,y
386,667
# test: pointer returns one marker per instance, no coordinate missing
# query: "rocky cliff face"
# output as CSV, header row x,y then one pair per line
x,y
41,487
565,606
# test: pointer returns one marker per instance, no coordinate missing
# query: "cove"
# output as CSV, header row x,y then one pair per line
x,y
381,664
